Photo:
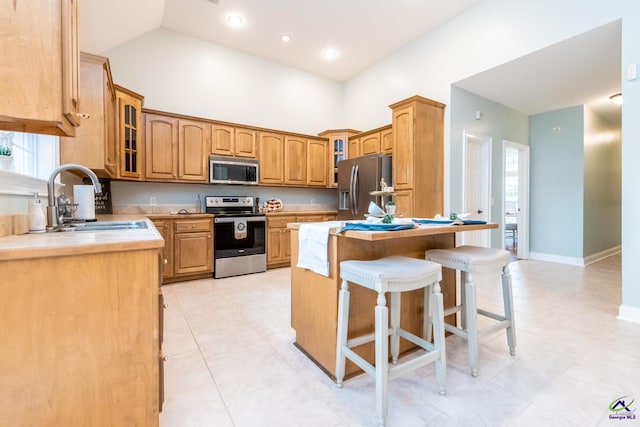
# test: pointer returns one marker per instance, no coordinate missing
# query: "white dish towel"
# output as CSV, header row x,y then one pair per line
x,y
313,238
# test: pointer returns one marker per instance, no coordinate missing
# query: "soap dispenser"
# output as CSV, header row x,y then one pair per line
x,y
38,222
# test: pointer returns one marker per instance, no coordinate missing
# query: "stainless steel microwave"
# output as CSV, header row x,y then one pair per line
x,y
231,170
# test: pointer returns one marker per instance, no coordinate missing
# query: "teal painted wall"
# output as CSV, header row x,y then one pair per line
x,y
498,122
557,184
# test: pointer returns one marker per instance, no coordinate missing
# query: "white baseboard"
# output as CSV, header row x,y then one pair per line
x,y
602,255
629,313
557,258
580,262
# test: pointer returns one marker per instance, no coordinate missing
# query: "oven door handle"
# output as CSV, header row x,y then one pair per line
x,y
240,218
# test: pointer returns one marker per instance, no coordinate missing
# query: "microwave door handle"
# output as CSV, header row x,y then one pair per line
x,y
356,188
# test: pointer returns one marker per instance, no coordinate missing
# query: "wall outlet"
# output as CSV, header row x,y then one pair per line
x,y
313,201
152,201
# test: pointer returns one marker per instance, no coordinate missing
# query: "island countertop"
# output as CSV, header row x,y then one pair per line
x,y
421,230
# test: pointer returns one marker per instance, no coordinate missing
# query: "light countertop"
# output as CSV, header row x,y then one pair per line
x,y
39,245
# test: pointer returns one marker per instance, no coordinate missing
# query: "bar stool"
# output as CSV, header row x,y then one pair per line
x,y
470,260
394,274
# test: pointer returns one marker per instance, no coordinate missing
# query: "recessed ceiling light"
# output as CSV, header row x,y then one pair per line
x,y
285,38
235,20
330,54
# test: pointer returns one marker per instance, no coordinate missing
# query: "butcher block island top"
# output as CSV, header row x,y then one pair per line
x,y
314,297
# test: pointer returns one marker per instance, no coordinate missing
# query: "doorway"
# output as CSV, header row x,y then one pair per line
x,y
476,185
515,212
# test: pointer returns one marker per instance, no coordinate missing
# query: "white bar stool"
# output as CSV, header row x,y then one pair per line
x,y
470,260
394,274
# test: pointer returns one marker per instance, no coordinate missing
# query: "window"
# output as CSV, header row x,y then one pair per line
x,y
34,157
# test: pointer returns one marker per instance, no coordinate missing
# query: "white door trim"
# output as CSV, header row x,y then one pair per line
x,y
523,195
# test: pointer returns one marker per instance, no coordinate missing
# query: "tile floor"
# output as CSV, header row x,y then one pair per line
x,y
232,362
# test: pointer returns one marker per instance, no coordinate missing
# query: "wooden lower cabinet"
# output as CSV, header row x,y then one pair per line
x,y
279,241
165,228
188,251
279,236
81,340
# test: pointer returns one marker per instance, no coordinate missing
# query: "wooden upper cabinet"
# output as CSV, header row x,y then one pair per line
x,y
245,143
271,158
369,144
353,149
70,62
39,62
418,156
403,150
233,141
386,141
129,133
295,160
194,140
338,140
94,144
161,141
317,162
222,140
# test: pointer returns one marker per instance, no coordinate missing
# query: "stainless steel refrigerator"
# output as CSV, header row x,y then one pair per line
x,y
356,178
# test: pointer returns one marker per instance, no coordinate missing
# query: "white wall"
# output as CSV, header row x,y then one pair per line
x,y
185,75
630,308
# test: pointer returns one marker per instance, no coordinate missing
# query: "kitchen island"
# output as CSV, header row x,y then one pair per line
x,y
314,298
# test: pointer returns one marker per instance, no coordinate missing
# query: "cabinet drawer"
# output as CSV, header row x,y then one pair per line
x,y
192,225
280,221
309,218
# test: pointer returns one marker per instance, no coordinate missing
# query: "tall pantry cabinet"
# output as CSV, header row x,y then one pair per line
x,y
418,156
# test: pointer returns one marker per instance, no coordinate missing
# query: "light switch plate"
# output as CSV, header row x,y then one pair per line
x,y
632,71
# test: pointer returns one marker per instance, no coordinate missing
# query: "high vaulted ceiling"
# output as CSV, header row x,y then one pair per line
x,y
362,31
581,70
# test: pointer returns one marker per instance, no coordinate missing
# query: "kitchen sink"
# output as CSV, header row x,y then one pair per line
x,y
106,226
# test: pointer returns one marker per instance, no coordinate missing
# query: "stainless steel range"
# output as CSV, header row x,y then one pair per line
x,y
239,235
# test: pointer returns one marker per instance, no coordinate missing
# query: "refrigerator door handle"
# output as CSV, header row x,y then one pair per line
x,y
354,191
351,202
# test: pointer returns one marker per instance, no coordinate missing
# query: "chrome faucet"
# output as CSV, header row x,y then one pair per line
x,y
53,221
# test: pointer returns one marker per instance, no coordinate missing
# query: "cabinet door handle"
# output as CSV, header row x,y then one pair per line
x,y
166,261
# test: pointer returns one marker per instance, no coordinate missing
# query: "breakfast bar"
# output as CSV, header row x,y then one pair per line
x,y
314,297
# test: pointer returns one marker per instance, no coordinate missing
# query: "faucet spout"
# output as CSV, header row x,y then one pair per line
x,y
52,209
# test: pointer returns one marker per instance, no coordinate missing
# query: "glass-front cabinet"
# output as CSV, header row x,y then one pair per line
x,y
338,150
129,141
